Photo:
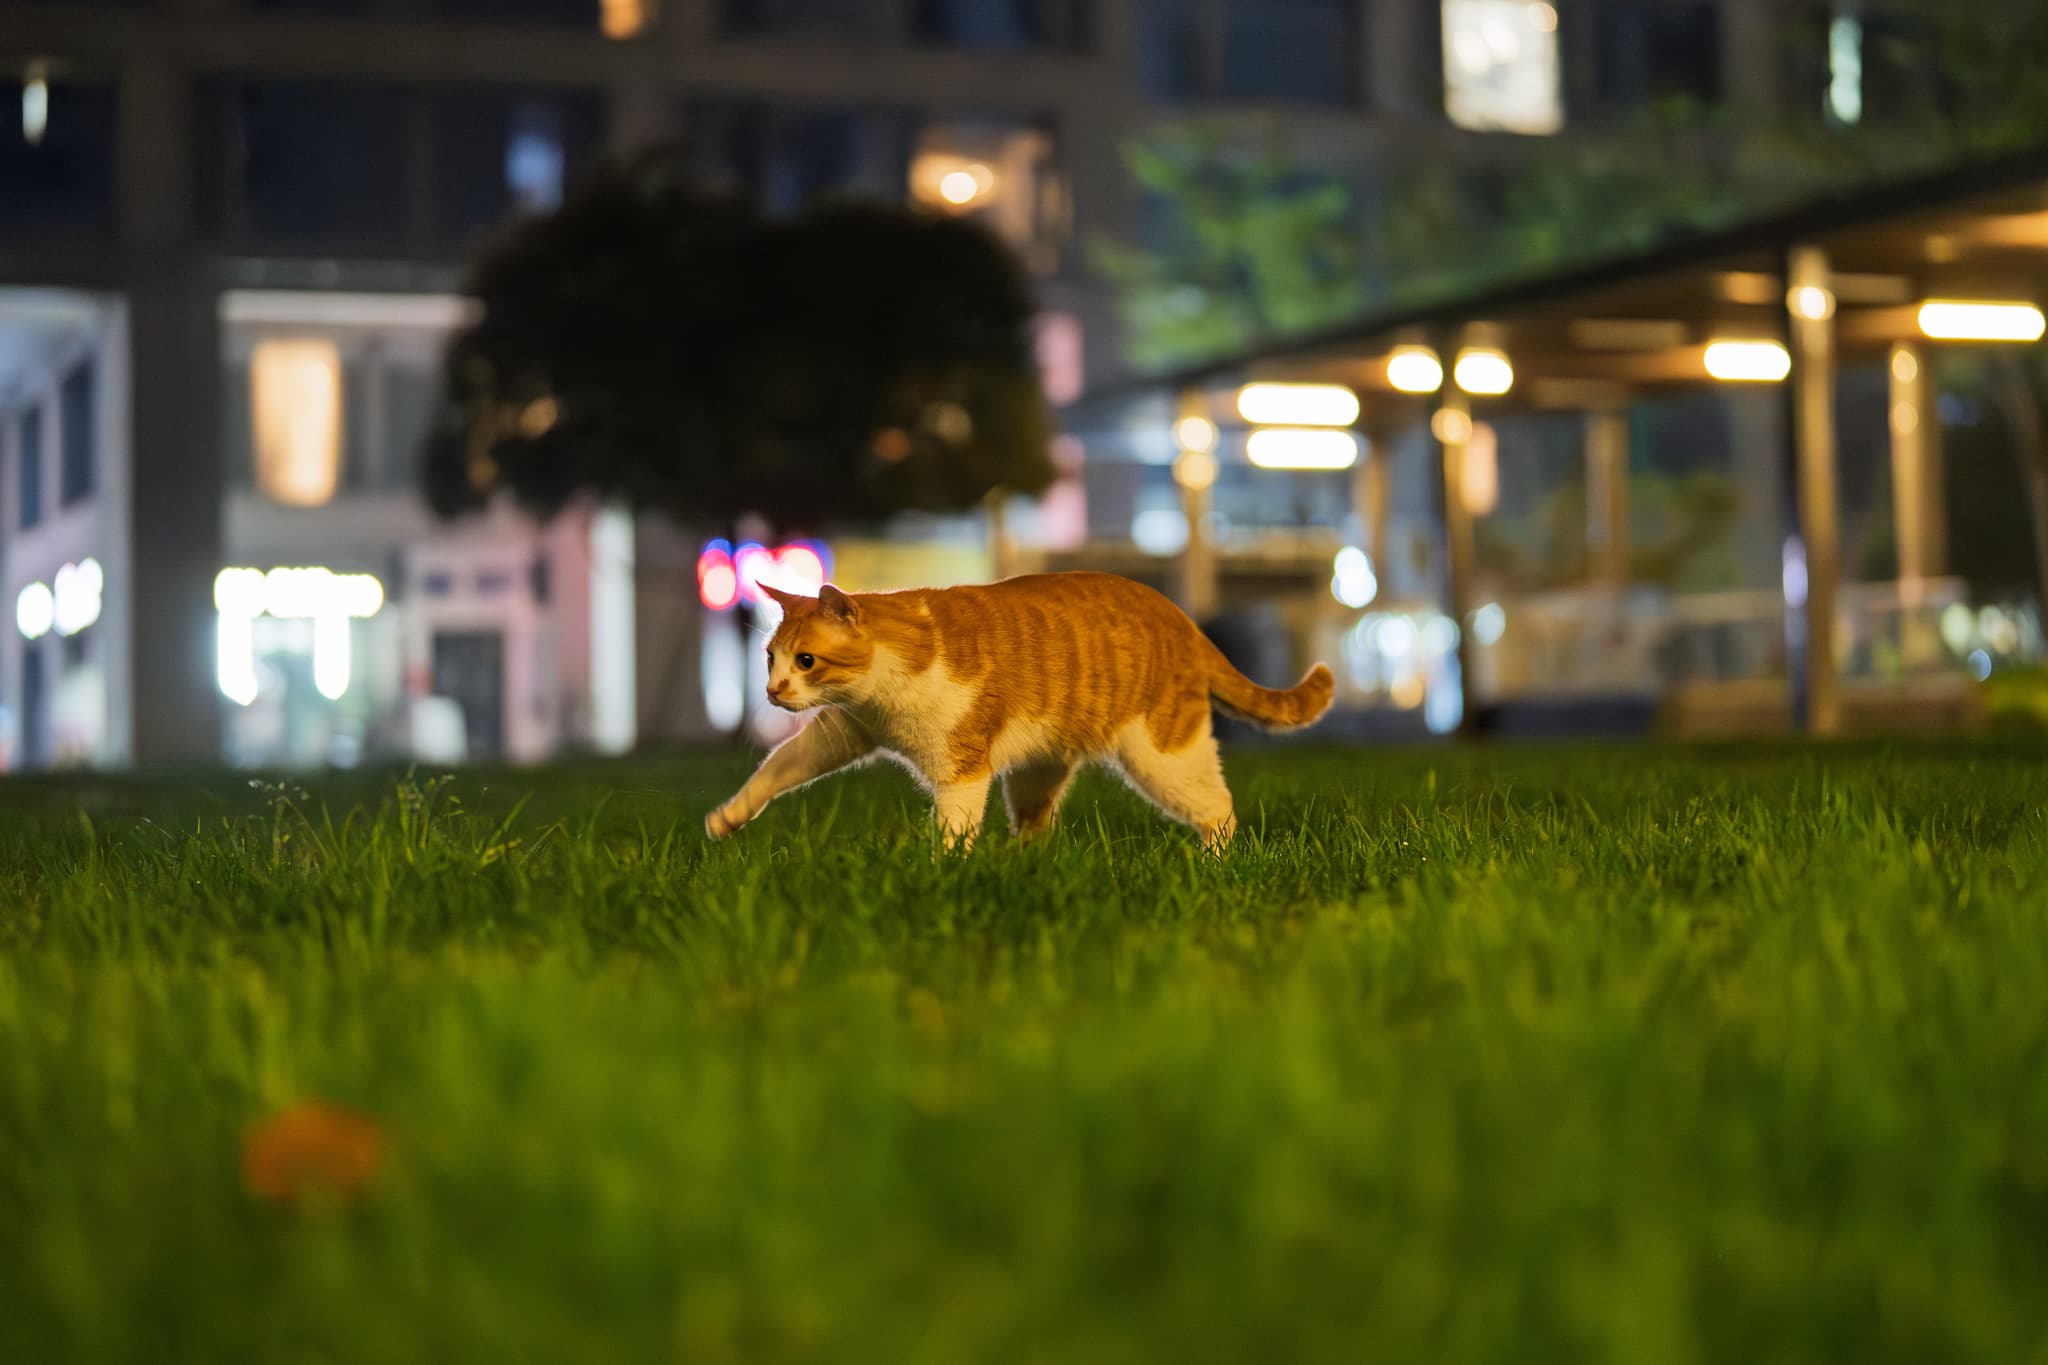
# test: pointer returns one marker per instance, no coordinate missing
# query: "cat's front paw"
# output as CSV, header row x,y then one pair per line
x,y
721,823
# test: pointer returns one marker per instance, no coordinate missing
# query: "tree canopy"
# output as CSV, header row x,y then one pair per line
x,y
651,342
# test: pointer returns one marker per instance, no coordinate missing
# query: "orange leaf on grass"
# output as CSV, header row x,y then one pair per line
x,y
311,1150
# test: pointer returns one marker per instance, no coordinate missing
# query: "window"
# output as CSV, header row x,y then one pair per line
x,y
77,426
1000,25
56,152
500,152
295,417
1646,52
1001,172
1303,51
31,467
1501,67
785,156
829,18
306,161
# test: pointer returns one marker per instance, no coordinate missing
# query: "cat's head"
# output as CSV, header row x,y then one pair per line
x,y
820,654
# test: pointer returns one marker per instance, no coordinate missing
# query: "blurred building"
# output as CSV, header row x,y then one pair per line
x,y
231,232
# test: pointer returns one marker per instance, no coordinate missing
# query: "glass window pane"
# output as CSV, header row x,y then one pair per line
x,y
1501,66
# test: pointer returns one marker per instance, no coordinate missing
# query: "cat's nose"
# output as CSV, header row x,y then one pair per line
x,y
778,687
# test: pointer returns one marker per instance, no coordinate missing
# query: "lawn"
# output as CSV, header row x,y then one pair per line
x,y
1620,1054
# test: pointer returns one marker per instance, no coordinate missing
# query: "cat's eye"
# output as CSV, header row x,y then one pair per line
x,y
771,658
804,661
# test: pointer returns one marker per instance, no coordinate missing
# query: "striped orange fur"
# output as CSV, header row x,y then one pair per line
x,y
1025,680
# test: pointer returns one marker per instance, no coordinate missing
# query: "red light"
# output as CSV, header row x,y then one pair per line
x,y
718,586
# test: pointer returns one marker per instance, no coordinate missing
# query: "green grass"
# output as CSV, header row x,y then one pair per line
x,y
1604,1054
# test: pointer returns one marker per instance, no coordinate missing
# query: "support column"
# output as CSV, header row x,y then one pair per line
x,y
1197,577
1812,395
1607,497
172,478
1919,501
1452,427
1370,495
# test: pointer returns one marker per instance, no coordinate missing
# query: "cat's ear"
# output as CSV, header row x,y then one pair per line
x,y
789,601
837,605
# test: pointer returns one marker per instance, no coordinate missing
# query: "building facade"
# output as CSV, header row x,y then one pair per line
x,y
231,234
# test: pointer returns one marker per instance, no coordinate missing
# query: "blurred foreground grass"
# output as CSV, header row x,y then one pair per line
x,y
1618,1054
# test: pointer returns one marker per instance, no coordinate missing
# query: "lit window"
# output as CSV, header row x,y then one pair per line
x,y
1845,69
534,159
1501,67
1002,174
295,407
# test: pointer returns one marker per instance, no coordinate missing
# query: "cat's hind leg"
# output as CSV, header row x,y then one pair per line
x,y
1033,791
1187,782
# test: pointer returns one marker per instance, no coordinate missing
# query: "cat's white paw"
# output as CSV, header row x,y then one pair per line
x,y
722,822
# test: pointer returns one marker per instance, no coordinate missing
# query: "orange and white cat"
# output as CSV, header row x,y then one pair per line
x,y
1026,679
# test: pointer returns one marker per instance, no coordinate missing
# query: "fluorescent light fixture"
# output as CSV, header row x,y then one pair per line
x,y
1302,448
1748,362
1298,405
1981,320
296,415
1484,372
1415,369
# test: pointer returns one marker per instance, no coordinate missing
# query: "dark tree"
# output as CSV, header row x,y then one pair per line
x,y
649,342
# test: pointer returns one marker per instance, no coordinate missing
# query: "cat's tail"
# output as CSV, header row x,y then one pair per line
x,y
1273,708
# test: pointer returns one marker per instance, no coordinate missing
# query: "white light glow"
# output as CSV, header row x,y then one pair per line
x,y
1501,68
1298,405
296,594
1395,638
1489,623
723,673
35,611
35,107
1748,362
1195,433
1352,580
331,661
964,186
77,596
1972,320
1484,372
1415,369
1302,448
1160,531
1845,69
1811,302
234,659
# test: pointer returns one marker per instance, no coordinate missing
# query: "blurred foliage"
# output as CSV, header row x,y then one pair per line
x,y
650,342
1249,248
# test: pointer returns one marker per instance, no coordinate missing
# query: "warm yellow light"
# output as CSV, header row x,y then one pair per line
x,y
1450,426
1415,369
1905,365
1811,302
958,187
1972,320
1543,18
1479,480
1195,433
1484,372
1302,448
621,18
295,401
1748,362
1298,405
537,418
1905,418
1195,470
